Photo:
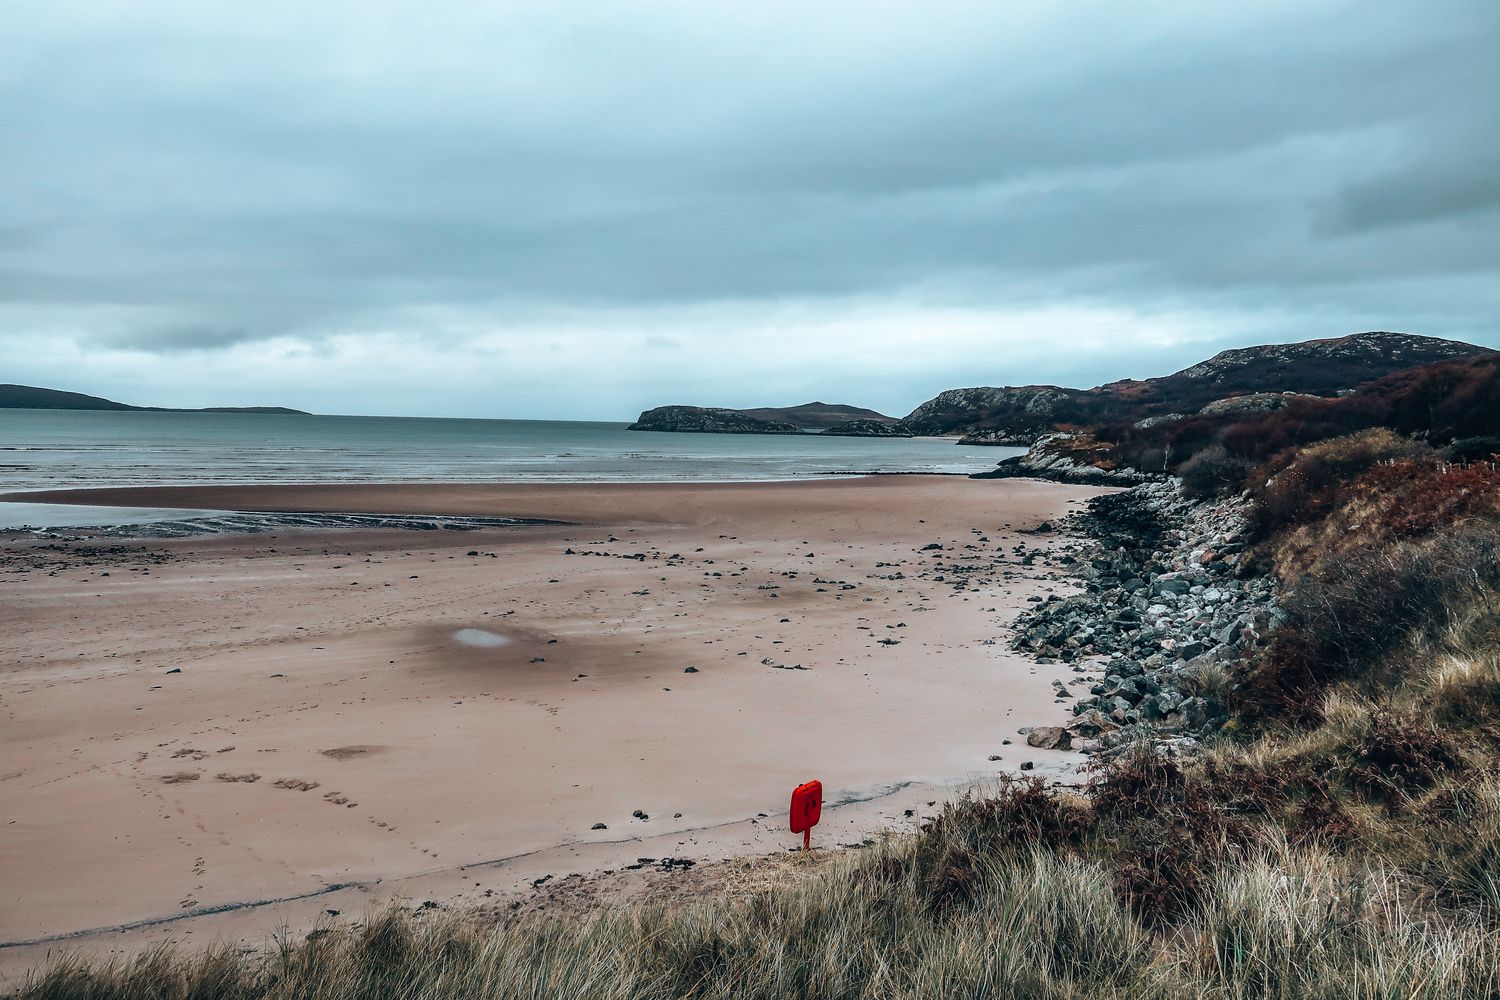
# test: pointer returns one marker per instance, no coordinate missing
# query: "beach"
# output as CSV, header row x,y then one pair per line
x,y
207,737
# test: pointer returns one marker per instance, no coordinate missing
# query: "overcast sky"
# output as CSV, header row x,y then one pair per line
x,y
584,209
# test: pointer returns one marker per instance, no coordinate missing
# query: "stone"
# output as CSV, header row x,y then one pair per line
x,y
1090,723
1049,738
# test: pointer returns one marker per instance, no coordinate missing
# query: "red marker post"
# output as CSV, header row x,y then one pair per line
x,y
807,809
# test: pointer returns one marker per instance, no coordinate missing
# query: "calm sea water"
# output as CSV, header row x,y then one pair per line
x,y
51,449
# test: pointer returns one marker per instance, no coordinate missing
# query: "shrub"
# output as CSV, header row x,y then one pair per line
x,y
1344,618
1398,754
1474,449
1213,472
1302,485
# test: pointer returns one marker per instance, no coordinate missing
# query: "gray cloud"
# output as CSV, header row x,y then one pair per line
x,y
387,180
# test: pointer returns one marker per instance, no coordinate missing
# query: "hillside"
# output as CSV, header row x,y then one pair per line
x,y
30,397
1018,415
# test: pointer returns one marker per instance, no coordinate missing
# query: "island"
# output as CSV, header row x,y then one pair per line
x,y
709,420
838,419
31,397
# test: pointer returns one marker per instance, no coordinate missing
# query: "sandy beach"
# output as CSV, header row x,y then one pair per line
x,y
205,738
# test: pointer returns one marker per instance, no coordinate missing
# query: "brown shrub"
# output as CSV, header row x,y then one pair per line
x,y
1022,814
1317,817
1213,472
1344,617
1421,497
1168,830
1398,755
1298,486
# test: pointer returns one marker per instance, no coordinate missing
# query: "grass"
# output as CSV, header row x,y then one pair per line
x,y
1286,922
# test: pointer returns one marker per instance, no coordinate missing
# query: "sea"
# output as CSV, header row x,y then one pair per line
x,y
61,449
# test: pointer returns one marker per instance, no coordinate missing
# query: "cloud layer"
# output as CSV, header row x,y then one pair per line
x,y
535,211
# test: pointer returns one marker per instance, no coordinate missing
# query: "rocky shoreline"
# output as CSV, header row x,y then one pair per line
x,y
1061,457
1169,603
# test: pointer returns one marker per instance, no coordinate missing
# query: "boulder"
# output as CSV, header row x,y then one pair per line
x,y
1050,738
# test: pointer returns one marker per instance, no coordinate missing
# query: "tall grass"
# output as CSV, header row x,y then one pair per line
x,y
1044,924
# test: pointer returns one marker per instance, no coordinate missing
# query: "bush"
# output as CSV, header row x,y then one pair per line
x,y
1213,472
1302,485
1344,618
1485,448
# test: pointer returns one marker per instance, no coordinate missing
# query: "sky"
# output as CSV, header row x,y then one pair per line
x,y
566,210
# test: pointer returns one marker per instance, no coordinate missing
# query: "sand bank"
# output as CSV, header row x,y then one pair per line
x,y
327,718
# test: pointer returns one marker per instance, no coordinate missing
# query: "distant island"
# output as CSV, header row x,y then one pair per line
x,y
833,419
817,416
31,397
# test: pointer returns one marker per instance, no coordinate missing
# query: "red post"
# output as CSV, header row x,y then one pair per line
x,y
807,809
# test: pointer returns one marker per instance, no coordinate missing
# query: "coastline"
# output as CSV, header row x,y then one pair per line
x,y
449,757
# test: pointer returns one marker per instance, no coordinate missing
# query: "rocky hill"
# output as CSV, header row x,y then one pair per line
x,y
816,415
709,420
1019,415
1007,415
30,397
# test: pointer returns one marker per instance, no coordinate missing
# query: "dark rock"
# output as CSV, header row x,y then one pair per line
x,y
1049,738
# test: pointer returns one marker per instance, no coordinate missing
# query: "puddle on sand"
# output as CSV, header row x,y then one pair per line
x,y
480,637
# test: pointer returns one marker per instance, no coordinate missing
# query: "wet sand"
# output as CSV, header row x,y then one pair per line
x,y
307,721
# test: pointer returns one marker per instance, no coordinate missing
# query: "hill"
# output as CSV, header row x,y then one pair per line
x,y
1019,415
816,415
708,420
30,397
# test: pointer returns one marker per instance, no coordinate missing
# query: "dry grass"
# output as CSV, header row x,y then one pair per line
x,y
1286,923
